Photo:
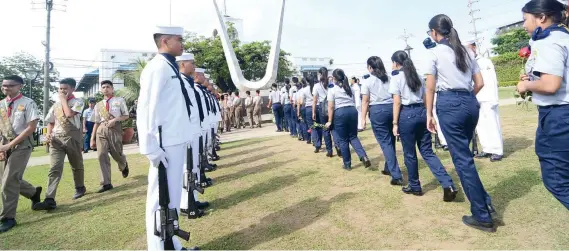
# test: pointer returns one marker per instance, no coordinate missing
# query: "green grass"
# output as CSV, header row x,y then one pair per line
x,y
275,193
506,92
39,151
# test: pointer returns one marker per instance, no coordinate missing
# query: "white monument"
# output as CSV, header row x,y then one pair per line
x,y
235,70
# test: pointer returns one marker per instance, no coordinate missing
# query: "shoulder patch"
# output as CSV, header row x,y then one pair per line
x,y
21,108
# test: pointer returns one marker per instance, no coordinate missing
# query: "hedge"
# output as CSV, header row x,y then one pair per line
x,y
507,83
508,67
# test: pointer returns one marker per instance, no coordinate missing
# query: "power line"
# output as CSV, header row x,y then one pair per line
x,y
473,21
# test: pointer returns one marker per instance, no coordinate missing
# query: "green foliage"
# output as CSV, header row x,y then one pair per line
x,y
508,66
252,57
511,41
23,62
129,123
507,83
131,88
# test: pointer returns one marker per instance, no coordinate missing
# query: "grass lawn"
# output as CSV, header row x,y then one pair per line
x,y
275,193
39,151
506,92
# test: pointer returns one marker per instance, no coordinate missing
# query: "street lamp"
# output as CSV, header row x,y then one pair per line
x,y
31,76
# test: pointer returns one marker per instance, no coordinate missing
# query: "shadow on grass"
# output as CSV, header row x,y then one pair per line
x,y
258,190
252,170
514,144
277,224
96,200
247,150
240,143
249,159
514,187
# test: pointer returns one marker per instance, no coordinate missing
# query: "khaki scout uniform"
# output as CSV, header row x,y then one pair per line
x,y
23,111
109,139
227,114
257,103
231,112
66,139
238,108
249,110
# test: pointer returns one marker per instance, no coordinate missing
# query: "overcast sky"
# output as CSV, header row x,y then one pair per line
x,y
347,30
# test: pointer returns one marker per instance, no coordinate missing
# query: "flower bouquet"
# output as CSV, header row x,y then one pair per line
x,y
524,54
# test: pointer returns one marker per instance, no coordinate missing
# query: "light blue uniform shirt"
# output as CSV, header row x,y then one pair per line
x,y
307,96
285,98
340,98
377,90
319,91
442,64
549,55
398,86
275,96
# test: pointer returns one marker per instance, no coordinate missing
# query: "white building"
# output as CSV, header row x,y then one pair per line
x,y
111,61
310,65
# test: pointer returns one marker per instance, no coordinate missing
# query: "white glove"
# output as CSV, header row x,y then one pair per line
x,y
157,157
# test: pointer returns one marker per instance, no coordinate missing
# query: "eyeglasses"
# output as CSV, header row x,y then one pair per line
x,y
429,32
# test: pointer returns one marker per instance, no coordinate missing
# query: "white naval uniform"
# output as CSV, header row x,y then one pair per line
x,y
196,132
488,128
160,91
356,90
212,121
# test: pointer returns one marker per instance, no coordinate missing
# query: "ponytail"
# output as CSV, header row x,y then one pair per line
x,y
411,77
378,69
442,24
340,76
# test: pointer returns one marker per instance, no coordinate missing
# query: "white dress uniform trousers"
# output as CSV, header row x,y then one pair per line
x,y
489,129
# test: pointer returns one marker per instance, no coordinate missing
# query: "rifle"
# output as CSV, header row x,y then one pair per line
x,y
191,184
202,163
474,144
168,216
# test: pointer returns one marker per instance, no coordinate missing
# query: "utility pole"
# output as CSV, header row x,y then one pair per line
x,y
46,67
473,22
406,37
170,12
224,8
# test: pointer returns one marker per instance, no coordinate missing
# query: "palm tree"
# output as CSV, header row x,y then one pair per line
x,y
131,80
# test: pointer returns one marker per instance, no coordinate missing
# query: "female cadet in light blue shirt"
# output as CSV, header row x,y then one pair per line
x,y
343,116
547,76
287,109
319,92
306,100
452,68
377,99
410,123
275,101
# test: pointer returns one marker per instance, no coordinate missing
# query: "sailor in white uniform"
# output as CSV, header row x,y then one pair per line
x,y
488,129
161,105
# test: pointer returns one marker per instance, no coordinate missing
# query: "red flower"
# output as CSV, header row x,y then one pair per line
x,y
524,52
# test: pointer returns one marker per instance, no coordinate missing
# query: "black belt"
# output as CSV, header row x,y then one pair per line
x,y
414,105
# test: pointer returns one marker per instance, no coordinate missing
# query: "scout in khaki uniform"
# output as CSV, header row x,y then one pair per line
x,y
64,138
249,108
238,110
107,116
227,112
18,120
257,106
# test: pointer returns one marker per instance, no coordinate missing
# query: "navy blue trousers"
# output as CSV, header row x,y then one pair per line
x,y
552,149
413,131
87,139
291,119
324,132
346,127
458,113
381,117
278,112
286,113
310,123
304,124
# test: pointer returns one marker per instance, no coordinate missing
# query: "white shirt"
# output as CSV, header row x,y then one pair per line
x,y
340,98
549,55
442,64
292,90
248,101
275,97
377,90
319,91
488,93
356,90
160,91
306,96
88,113
398,86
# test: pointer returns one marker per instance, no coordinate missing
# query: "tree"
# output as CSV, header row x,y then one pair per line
x,y
131,80
511,41
22,63
252,57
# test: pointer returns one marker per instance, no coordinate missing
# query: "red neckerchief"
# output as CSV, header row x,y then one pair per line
x,y
11,102
107,103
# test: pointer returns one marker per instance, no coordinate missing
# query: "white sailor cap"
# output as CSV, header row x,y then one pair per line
x,y
200,70
169,30
185,57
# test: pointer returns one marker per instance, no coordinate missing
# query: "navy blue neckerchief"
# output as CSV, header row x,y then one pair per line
x,y
198,99
540,33
205,96
395,73
172,63
212,101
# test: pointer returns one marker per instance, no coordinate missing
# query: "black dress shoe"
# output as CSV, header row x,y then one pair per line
x,y
483,155
125,171
36,198
386,173
329,154
215,158
7,224
496,157
316,150
365,160
397,182
47,204
449,194
308,142
473,223
79,192
194,248
202,205
409,190
105,188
